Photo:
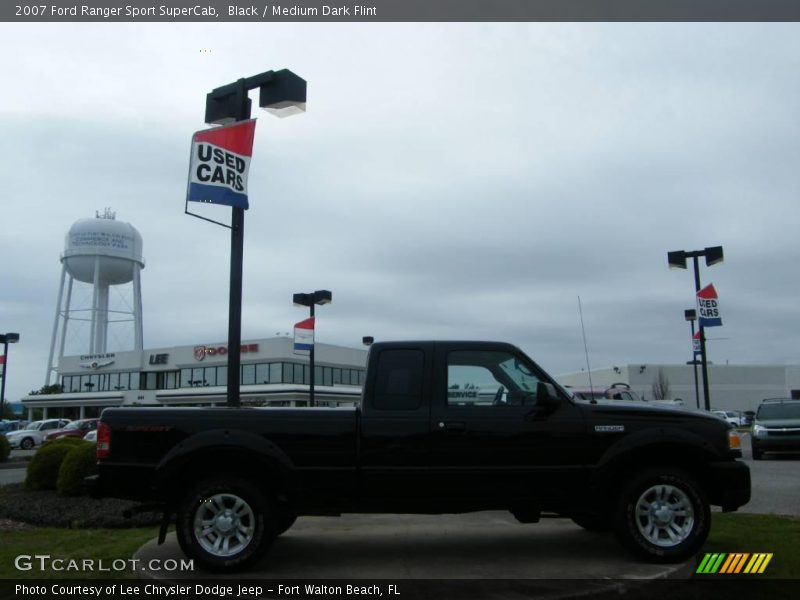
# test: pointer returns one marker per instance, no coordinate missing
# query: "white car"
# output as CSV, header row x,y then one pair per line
x,y
91,436
33,434
730,416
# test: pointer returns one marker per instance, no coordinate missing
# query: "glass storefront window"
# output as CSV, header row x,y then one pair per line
x,y
248,374
275,373
262,373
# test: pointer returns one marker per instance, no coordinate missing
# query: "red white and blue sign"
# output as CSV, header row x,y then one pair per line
x,y
304,336
696,347
708,307
219,164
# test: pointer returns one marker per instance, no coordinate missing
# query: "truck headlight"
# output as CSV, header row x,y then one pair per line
x,y
759,430
734,441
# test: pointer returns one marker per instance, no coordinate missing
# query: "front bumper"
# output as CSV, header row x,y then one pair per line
x,y
786,443
730,484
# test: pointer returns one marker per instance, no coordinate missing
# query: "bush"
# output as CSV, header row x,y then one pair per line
x,y
43,469
80,462
5,448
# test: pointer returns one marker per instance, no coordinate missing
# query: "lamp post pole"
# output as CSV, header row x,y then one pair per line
x,y
5,339
282,93
677,259
691,315
310,300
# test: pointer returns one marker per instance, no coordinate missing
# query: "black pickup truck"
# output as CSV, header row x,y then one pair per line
x,y
443,427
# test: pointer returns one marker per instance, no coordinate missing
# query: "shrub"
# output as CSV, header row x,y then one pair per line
x,y
43,469
80,462
5,448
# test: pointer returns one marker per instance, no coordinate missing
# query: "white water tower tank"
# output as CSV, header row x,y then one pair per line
x,y
101,252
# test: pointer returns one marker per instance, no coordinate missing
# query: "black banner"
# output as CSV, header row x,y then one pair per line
x,y
709,588
269,11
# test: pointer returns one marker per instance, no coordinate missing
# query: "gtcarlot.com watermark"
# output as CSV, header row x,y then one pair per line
x,y
45,562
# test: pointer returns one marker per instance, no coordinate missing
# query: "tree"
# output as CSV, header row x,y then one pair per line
x,y
55,388
660,387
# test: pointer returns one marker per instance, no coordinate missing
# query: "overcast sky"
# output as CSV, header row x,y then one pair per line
x,y
448,181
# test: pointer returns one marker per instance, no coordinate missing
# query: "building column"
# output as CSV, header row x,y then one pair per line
x,y
44,412
82,413
30,414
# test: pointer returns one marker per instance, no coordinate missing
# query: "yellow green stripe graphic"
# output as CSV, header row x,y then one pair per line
x,y
734,562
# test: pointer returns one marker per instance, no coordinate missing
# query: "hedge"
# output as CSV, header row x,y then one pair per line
x,y
44,466
80,462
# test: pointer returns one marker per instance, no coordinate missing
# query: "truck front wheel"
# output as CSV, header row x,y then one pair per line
x,y
662,515
224,524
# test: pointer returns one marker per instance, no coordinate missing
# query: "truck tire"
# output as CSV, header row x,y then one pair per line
x,y
284,523
662,516
225,524
757,454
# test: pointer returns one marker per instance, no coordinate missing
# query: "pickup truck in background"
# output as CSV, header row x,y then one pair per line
x,y
443,427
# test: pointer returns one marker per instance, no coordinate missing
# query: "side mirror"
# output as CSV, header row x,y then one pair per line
x,y
546,396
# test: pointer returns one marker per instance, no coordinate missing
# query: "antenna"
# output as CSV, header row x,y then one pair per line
x,y
585,347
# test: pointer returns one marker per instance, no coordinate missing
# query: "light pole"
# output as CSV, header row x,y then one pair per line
x,y
5,339
677,260
282,93
691,316
318,297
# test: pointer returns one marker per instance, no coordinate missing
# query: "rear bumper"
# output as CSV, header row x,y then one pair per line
x,y
730,484
132,482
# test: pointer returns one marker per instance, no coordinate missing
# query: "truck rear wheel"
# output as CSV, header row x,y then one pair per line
x,y
225,524
662,515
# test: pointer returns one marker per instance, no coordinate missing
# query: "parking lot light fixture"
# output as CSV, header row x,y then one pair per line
x,y
5,339
690,314
310,300
281,93
677,260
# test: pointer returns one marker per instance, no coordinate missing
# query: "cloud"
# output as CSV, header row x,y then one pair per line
x,y
448,180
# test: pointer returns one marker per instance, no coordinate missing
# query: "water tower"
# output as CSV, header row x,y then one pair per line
x,y
101,252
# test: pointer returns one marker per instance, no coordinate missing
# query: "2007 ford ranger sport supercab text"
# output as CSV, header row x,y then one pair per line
x,y
443,427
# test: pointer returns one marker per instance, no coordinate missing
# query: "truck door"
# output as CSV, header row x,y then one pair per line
x,y
394,444
490,438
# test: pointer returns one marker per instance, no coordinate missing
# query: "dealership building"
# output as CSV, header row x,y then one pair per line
x,y
732,387
271,375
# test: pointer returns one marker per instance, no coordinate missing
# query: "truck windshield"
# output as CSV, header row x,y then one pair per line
x,y
779,411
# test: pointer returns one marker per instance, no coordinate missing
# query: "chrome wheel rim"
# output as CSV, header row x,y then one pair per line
x,y
664,515
224,525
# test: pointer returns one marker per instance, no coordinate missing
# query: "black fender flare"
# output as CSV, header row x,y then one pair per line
x,y
214,442
675,444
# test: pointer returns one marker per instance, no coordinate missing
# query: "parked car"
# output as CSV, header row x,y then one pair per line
x,y
730,416
34,433
617,391
6,425
76,429
776,427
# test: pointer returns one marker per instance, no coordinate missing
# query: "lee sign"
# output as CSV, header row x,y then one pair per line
x,y
708,307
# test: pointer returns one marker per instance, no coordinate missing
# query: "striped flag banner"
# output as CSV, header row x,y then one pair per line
x,y
304,336
734,563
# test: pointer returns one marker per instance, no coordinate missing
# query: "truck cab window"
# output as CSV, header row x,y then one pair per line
x,y
489,378
398,383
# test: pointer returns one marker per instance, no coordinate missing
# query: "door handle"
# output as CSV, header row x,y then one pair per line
x,y
453,426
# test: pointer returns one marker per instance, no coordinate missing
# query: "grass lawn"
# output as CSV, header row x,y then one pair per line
x,y
734,532
105,544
